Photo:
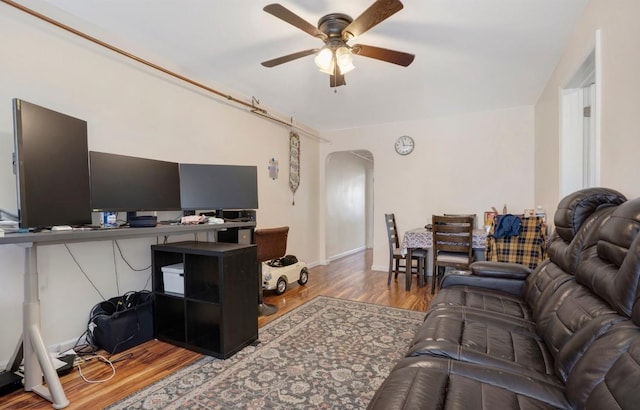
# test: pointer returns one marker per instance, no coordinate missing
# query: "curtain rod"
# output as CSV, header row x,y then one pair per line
x,y
254,109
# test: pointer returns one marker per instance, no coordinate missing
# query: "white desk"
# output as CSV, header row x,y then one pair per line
x,y
37,362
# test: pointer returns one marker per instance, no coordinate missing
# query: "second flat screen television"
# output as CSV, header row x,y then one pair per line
x,y
124,183
217,187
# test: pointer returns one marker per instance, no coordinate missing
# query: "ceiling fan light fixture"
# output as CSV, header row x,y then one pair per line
x,y
324,60
335,30
344,59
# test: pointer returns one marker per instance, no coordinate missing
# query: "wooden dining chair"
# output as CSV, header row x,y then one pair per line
x,y
397,262
452,244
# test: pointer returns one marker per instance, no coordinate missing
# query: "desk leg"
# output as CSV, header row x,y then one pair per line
x,y
408,267
36,358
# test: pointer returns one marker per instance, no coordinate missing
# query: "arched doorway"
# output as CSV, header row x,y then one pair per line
x,y
349,202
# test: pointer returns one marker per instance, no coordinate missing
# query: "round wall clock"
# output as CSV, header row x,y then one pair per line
x,y
404,145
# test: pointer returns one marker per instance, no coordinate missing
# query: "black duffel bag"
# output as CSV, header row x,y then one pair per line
x,y
121,322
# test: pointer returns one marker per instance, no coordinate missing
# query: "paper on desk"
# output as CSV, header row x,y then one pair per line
x,y
8,226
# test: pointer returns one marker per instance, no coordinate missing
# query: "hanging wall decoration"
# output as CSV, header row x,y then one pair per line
x,y
294,163
273,169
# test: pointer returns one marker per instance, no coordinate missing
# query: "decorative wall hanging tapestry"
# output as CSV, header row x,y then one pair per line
x,y
294,163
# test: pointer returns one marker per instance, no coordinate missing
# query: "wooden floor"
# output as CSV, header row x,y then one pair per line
x,y
347,278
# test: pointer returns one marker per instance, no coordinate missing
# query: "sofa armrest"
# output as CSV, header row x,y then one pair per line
x,y
502,270
499,276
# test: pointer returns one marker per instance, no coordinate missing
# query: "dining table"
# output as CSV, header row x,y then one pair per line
x,y
422,238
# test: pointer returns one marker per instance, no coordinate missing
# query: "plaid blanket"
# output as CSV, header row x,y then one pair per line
x,y
529,248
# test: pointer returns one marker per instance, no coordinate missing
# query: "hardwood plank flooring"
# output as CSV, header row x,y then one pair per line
x,y
347,278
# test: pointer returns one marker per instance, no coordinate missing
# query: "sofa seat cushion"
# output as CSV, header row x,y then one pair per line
x,y
435,383
485,300
500,342
572,317
540,285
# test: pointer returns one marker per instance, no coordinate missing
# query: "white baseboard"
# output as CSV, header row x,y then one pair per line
x,y
56,348
66,345
317,263
347,253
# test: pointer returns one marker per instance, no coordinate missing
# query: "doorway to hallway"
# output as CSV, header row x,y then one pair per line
x,y
349,202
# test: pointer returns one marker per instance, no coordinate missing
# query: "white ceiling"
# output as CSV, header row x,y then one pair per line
x,y
471,55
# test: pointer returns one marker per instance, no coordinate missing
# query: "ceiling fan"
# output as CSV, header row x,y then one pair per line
x,y
335,30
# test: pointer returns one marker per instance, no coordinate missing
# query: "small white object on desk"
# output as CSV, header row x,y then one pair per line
x,y
193,219
61,228
8,226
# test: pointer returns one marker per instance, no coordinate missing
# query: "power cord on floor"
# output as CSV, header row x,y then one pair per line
x,y
101,358
123,357
87,352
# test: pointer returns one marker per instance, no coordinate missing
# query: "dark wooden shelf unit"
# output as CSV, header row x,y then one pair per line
x,y
218,313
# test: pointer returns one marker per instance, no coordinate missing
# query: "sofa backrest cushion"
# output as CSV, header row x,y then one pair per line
x,y
568,310
607,376
564,255
611,267
576,207
541,285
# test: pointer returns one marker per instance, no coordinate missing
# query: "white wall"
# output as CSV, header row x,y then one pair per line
x,y
347,177
8,198
130,110
461,164
620,85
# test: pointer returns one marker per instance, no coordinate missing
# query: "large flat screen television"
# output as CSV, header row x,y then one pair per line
x,y
124,183
52,167
216,187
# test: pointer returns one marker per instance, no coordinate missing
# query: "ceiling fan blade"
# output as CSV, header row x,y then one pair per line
x,y
383,54
377,12
289,57
288,16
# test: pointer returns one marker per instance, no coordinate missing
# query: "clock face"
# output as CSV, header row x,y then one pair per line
x,y
404,145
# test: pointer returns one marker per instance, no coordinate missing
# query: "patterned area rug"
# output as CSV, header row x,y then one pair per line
x,y
327,353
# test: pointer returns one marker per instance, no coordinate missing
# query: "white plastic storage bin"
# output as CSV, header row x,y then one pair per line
x,y
173,276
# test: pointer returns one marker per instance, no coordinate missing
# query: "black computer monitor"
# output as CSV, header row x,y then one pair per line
x,y
51,167
217,187
125,183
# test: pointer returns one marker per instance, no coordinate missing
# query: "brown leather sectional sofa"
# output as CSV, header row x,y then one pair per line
x,y
566,335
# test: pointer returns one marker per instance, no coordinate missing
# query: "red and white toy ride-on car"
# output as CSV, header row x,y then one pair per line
x,y
278,273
